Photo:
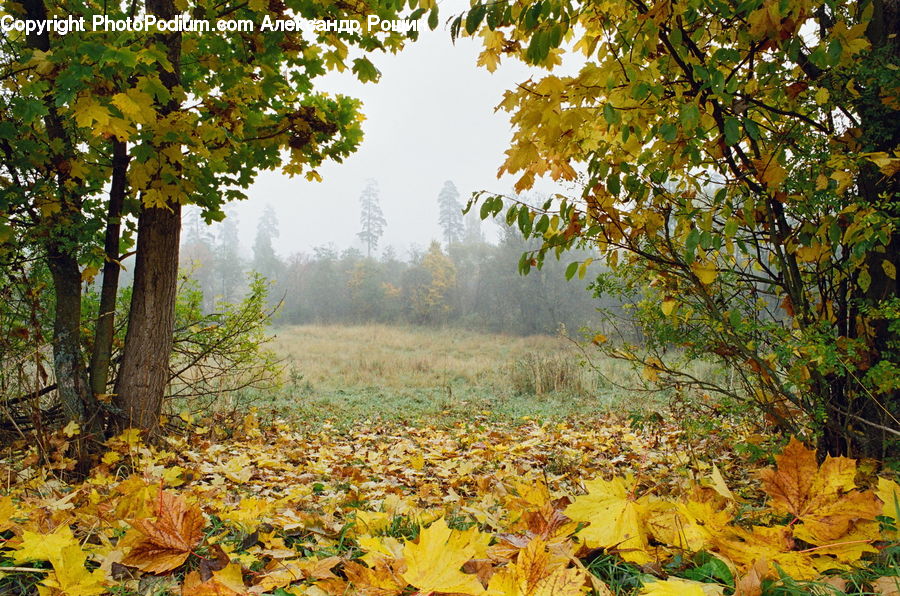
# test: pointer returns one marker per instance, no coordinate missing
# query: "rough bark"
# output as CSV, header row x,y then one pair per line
x,y
61,254
143,374
71,380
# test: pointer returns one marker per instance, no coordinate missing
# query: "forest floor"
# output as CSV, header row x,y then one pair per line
x,y
495,492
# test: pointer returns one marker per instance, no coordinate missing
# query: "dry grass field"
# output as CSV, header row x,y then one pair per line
x,y
348,373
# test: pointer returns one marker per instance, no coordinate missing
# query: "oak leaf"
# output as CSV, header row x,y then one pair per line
x,y
169,538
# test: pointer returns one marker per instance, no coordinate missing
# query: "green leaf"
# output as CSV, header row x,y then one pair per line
x,y
525,221
524,264
669,132
834,51
731,227
364,70
640,91
538,48
610,114
485,211
690,244
30,110
455,27
571,270
474,18
690,117
613,185
7,130
511,214
732,131
751,128
433,19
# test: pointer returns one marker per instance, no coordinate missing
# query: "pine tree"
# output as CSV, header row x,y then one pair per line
x,y
229,268
265,261
371,218
450,215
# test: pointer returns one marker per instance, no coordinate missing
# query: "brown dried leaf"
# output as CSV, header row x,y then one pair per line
x,y
169,538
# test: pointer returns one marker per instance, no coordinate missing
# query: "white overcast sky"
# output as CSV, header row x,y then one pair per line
x,y
429,119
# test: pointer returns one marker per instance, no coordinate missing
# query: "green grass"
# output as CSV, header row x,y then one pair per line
x,y
434,376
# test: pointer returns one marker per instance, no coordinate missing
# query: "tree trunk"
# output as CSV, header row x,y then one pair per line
x,y
144,372
61,253
105,327
71,380
863,422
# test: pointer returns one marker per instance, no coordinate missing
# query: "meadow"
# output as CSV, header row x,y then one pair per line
x,y
414,374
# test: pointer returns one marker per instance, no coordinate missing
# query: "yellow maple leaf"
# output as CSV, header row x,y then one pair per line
x,y
8,510
380,548
770,172
380,578
70,577
688,525
433,563
43,547
889,493
87,112
238,469
615,518
667,306
536,572
681,587
136,106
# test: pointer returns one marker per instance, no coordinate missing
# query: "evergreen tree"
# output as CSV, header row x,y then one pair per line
x,y
197,255
265,261
371,218
229,270
450,214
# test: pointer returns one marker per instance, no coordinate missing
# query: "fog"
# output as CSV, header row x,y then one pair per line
x,y
430,119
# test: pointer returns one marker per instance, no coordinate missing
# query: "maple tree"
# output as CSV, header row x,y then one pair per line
x,y
98,126
738,165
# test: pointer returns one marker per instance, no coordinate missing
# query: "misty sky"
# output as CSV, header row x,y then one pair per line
x,y
431,118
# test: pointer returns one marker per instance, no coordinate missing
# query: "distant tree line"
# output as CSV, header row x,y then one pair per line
x,y
464,281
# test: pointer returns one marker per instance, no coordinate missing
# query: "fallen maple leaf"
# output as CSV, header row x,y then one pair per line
x,y
169,538
887,586
70,577
43,547
380,580
433,563
195,586
681,587
615,517
823,499
536,573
